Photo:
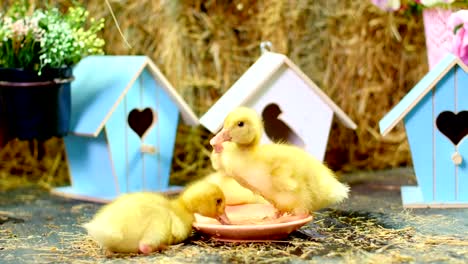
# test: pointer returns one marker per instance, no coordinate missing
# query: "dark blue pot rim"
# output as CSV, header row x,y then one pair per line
x,y
19,77
36,84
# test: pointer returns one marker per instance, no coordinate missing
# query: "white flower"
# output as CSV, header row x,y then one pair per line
x,y
430,3
19,28
387,5
8,21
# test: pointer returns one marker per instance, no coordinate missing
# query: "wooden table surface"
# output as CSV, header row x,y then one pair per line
x,y
370,227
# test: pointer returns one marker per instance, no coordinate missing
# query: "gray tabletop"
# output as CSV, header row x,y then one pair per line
x,y
370,227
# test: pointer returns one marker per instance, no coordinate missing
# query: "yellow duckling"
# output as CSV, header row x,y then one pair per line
x,y
146,222
285,175
234,192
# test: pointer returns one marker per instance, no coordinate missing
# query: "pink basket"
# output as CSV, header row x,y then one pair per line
x,y
438,36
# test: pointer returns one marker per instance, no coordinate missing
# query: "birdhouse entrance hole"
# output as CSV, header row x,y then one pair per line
x,y
453,125
277,129
141,121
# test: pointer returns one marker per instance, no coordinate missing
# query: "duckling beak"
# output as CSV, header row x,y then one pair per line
x,y
223,219
218,139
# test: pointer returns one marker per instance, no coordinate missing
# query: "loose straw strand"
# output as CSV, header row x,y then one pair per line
x,y
117,24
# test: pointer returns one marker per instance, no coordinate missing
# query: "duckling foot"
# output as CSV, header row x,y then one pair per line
x,y
277,217
161,247
147,249
283,217
108,253
279,214
300,213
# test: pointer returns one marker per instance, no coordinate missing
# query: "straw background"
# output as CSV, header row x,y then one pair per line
x,y
364,59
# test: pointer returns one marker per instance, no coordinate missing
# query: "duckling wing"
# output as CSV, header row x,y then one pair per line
x,y
282,178
280,162
157,233
298,180
289,174
181,227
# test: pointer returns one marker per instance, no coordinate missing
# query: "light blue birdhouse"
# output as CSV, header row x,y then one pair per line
x,y
435,114
124,122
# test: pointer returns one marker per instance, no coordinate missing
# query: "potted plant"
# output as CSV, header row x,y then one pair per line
x,y
445,24
38,49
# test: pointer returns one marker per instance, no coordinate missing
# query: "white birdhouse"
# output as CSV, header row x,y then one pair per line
x,y
294,109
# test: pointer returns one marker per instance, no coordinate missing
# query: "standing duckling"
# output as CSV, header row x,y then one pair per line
x,y
146,222
287,176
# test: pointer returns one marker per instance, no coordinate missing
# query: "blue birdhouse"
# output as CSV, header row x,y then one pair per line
x,y
435,115
124,123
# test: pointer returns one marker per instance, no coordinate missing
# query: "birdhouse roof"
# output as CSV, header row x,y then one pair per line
x,y
101,82
250,84
417,93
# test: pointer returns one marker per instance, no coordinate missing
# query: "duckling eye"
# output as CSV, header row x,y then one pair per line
x,y
219,201
240,124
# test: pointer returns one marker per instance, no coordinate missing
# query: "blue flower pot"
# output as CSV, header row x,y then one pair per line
x,y
32,106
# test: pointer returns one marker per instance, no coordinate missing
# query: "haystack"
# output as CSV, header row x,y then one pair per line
x,y
364,59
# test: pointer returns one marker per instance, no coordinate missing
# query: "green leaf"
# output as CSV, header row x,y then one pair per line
x,y
457,28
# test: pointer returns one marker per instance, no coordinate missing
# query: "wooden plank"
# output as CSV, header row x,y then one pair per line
x,y
137,170
70,192
188,116
95,96
318,112
412,198
114,172
462,105
116,129
243,89
90,167
445,169
253,81
419,125
167,128
151,162
411,195
74,193
415,95
341,115
134,156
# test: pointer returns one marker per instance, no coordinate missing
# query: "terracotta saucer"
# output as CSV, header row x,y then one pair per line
x,y
250,222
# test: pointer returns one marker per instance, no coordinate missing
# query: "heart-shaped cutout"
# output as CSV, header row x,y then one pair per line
x,y
141,121
453,126
276,129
